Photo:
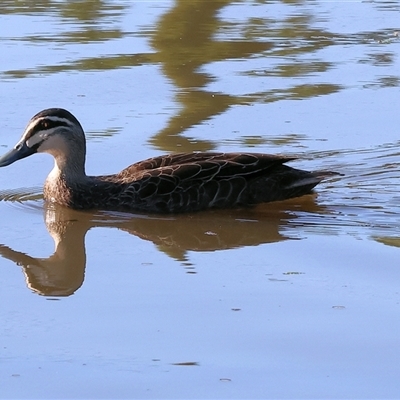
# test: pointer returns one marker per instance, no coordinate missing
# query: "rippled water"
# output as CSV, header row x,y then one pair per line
x,y
288,300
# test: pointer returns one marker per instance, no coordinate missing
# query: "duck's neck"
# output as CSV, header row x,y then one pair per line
x,y
67,175
67,168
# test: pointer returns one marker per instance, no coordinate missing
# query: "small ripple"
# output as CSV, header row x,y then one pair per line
x,y
30,199
365,198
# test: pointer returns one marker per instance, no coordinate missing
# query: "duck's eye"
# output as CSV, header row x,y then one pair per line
x,y
45,124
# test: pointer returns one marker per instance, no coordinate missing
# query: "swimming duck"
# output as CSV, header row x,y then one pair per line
x,y
174,183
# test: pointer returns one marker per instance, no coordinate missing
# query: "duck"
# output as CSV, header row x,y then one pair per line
x,y
171,183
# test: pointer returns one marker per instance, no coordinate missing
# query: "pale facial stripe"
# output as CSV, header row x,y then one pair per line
x,y
32,138
52,118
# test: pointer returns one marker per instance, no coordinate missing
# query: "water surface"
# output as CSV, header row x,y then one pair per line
x,y
297,299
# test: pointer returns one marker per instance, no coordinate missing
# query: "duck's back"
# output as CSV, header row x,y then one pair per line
x,y
198,181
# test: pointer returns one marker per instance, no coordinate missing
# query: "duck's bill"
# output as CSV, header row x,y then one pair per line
x,y
17,153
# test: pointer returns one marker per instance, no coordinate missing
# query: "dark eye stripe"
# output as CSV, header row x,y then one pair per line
x,y
49,124
45,124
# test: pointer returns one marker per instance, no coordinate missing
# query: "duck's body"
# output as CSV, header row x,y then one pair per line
x,y
170,183
186,182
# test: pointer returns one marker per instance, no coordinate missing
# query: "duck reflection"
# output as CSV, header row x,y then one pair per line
x,y
63,272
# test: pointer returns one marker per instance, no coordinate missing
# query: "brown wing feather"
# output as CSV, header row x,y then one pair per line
x,y
203,165
192,182
184,182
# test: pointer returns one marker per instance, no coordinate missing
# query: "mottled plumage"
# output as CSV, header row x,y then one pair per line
x,y
169,183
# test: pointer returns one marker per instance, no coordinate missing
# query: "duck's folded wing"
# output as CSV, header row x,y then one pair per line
x,y
204,165
216,182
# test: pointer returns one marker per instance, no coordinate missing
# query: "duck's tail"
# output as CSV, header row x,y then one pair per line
x,y
286,183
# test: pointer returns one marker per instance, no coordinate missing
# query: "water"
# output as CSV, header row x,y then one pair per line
x,y
297,299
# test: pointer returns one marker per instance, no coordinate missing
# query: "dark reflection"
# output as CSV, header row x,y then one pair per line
x,y
190,35
91,11
389,241
87,11
28,7
384,82
90,63
93,17
390,5
63,272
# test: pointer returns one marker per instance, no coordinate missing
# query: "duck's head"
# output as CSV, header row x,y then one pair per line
x,y
54,130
